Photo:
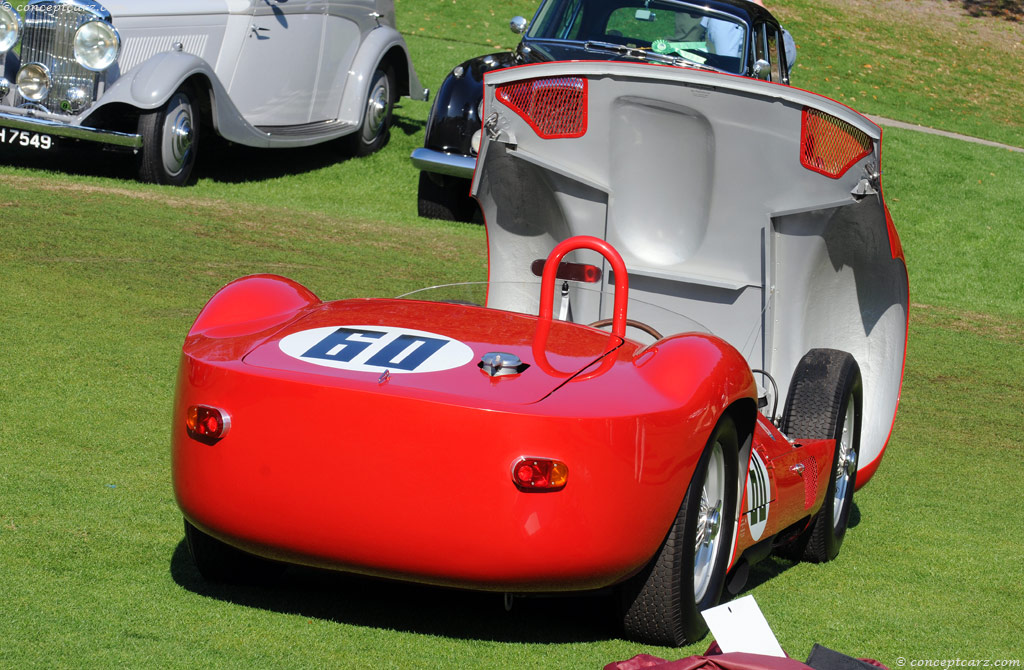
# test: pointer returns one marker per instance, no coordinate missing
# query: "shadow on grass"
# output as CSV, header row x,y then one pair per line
x,y
428,610
218,160
377,603
774,565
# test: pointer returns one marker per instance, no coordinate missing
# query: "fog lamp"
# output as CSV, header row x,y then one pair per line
x,y
540,474
33,81
206,424
96,45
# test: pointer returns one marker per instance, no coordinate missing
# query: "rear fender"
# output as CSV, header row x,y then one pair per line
x,y
384,45
251,305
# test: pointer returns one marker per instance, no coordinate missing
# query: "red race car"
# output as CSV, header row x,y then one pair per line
x,y
570,435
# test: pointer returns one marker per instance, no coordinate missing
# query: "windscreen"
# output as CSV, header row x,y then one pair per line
x,y
575,302
697,34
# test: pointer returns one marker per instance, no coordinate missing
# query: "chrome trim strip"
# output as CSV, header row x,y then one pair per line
x,y
58,129
455,165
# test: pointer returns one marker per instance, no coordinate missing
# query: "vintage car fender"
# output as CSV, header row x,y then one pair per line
x,y
454,118
151,84
383,44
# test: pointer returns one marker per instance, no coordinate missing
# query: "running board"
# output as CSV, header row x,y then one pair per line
x,y
315,129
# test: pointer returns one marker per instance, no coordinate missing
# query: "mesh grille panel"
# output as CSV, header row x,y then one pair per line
x,y
49,39
810,481
554,107
829,145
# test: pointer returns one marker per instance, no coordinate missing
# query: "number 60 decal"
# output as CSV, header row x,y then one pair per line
x,y
376,349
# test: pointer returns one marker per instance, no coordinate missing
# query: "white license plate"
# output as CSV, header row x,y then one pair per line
x,y
25,138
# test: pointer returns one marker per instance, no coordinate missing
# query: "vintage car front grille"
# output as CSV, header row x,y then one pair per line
x,y
49,36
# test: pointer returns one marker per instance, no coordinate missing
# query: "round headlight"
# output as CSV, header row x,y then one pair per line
x,y
96,45
10,27
33,81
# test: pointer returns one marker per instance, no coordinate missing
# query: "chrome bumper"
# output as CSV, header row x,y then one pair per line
x,y
58,129
455,165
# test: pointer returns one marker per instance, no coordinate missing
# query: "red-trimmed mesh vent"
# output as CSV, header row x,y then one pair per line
x,y
554,107
829,145
810,481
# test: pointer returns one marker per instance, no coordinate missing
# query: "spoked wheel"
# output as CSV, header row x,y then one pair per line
x,y
170,140
825,401
662,604
375,130
219,562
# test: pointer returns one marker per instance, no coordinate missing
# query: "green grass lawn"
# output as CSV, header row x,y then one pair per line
x,y
101,278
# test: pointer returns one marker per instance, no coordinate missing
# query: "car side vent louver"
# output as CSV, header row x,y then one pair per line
x,y
829,145
554,107
810,482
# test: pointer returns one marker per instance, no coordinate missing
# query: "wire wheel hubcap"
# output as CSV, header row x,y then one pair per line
x,y
846,464
179,135
376,109
709,523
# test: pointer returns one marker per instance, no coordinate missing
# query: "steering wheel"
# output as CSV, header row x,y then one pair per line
x,y
639,325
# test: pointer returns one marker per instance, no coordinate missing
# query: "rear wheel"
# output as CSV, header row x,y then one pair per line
x,y
220,562
662,604
825,401
170,140
445,197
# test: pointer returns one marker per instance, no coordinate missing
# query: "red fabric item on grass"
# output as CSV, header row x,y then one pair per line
x,y
732,661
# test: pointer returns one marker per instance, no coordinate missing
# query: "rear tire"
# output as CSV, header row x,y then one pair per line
x,y
445,197
663,604
220,562
825,401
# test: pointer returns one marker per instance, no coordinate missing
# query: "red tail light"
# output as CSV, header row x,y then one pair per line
x,y
554,107
540,474
590,274
206,424
829,145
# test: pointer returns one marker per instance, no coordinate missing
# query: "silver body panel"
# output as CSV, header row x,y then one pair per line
x,y
696,179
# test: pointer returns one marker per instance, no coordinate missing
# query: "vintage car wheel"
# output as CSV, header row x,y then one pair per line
x,y
219,562
445,197
375,130
825,401
662,604
170,140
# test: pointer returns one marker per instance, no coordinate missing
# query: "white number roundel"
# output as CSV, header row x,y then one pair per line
x,y
758,496
376,349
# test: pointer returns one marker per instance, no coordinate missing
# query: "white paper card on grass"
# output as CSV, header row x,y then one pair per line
x,y
740,626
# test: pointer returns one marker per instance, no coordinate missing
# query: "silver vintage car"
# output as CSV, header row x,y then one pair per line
x,y
153,76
